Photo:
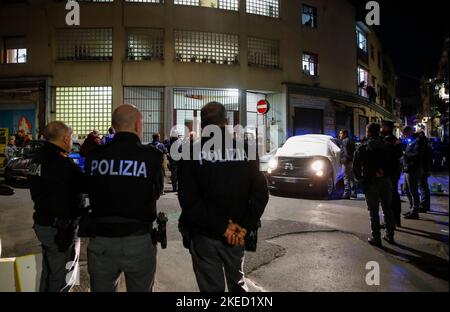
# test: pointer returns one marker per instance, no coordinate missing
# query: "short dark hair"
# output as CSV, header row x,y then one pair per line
x,y
155,136
345,132
373,130
111,130
214,113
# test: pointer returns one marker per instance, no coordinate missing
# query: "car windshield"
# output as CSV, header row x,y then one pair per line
x,y
304,148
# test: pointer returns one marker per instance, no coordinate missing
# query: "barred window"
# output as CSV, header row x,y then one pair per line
x,y
84,44
150,102
95,0
84,108
269,8
145,44
146,1
263,52
205,47
13,50
232,5
310,64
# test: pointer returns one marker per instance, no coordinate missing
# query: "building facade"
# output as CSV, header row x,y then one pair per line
x,y
171,57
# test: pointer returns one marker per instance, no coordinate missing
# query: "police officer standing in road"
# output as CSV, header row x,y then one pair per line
x,y
374,166
125,179
56,183
387,132
222,196
347,153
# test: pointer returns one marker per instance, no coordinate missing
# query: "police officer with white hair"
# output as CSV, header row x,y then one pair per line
x,y
125,179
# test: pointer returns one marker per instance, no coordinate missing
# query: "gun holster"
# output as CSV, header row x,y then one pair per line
x,y
251,240
159,234
85,225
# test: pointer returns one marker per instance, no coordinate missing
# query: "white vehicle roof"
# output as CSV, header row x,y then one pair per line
x,y
308,145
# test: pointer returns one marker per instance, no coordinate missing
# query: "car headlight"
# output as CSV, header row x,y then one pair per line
x,y
273,163
318,165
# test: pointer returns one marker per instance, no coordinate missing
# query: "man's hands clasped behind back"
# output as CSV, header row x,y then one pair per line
x,y
235,234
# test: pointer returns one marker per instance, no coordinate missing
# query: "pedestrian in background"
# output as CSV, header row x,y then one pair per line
x,y
221,202
109,137
156,142
11,148
173,143
374,165
387,133
92,141
347,153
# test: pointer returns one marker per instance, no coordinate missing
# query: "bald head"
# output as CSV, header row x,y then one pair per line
x,y
127,118
60,134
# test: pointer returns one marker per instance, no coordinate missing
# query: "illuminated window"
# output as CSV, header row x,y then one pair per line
x,y
84,108
145,44
15,51
263,52
309,16
84,44
150,102
361,38
269,8
232,5
205,47
363,79
310,64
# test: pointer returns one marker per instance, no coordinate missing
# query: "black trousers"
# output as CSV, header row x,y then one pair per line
x,y
396,201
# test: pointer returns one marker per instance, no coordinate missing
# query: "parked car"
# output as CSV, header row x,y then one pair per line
x,y
17,167
306,162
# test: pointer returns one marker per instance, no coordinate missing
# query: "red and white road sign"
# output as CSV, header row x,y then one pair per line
x,y
263,107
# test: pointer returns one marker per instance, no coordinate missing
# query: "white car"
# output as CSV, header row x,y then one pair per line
x,y
306,162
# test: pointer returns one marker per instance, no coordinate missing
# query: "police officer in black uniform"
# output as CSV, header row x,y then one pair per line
x,y
387,132
374,166
56,183
125,180
222,195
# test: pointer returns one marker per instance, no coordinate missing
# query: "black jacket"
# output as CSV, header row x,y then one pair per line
x,y
372,157
213,192
125,179
347,150
418,155
395,143
56,183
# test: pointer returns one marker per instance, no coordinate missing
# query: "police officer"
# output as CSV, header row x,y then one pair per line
x,y
347,153
374,166
222,196
125,179
56,183
387,132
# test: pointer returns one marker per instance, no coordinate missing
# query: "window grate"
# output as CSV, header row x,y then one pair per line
x,y
84,44
145,44
231,5
150,102
84,108
310,64
263,52
269,8
206,47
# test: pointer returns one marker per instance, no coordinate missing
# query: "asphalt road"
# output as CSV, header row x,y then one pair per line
x,y
305,245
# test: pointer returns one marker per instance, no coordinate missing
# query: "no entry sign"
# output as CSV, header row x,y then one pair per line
x,y
263,107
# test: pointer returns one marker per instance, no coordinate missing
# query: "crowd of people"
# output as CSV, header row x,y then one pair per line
x,y
377,165
16,142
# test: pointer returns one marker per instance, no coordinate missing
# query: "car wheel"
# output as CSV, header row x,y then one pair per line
x,y
8,176
327,188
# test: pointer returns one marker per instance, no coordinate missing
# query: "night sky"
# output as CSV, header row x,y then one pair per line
x,y
413,34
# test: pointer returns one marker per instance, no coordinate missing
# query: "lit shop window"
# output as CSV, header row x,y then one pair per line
x,y
363,78
206,47
269,8
232,5
309,16
361,38
88,44
150,102
263,52
310,64
84,108
15,51
145,44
